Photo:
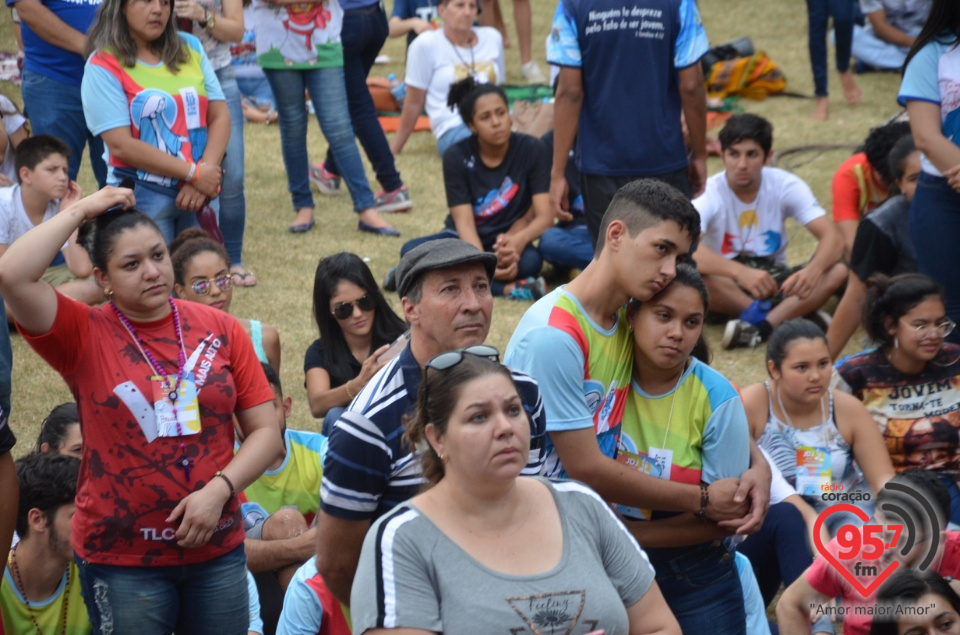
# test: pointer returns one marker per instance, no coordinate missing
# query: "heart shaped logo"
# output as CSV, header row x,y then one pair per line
x,y
865,591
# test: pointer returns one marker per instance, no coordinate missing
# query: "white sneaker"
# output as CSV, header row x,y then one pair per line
x,y
532,74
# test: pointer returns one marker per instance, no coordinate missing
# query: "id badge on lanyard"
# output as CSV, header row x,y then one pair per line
x,y
813,470
186,421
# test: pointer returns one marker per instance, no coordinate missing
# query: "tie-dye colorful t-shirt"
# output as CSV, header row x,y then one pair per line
x,y
131,478
733,228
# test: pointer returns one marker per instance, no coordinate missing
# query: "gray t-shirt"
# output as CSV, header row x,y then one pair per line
x,y
906,15
412,576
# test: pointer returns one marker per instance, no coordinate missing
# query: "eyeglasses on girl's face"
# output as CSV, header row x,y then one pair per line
x,y
202,287
942,328
343,310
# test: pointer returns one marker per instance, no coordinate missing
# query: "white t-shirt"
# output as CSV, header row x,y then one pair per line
x,y
434,63
14,221
732,228
12,121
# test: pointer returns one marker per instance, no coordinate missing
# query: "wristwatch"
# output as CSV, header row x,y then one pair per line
x,y
210,20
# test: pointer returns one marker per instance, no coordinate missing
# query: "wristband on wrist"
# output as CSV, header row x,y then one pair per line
x,y
233,490
704,501
196,176
192,172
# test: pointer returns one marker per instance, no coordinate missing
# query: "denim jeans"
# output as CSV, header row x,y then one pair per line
x,y
257,90
452,136
233,203
818,15
364,32
599,190
330,420
567,247
702,587
329,98
195,599
529,267
934,227
6,362
55,108
162,208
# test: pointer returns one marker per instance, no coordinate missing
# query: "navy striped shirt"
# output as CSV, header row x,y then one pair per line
x,y
368,469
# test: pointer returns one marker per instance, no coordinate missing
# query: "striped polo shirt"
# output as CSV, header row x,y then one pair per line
x,y
368,469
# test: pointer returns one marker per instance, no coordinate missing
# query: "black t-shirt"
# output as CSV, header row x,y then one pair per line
x,y
7,440
314,359
883,243
499,196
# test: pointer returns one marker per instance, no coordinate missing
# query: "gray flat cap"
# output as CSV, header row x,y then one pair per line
x,y
439,254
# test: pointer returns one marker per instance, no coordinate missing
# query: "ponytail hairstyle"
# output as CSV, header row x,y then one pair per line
x,y
99,235
188,245
788,332
943,24
465,93
54,427
889,299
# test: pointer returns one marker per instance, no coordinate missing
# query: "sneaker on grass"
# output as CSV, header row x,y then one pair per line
x,y
327,182
395,201
739,334
532,74
529,289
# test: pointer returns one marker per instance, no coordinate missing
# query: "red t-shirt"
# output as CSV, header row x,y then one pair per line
x,y
128,483
856,189
826,580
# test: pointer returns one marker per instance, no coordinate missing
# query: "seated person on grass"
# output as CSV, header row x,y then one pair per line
x,y
13,130
864,181
891,28
44,189
883,245
821,582
40,592
742,253
567,244
279,509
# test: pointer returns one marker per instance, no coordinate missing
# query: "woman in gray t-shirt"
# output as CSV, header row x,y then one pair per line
x,y
481,550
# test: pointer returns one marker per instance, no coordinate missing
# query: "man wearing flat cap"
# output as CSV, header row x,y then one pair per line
x,y
444,286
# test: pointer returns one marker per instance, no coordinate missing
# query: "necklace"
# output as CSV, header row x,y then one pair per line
x,y
673,402
456,50
15,569
173,391
786,415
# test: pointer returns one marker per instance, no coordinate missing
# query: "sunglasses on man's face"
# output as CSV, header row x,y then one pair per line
x,y
343,310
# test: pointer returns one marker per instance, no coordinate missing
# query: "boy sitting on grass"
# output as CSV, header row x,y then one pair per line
x,y
43,189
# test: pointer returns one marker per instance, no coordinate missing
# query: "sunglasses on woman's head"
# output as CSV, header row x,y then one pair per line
x,y
446,361
202,287
343,310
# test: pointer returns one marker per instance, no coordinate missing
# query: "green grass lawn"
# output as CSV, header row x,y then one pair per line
x,y
285,263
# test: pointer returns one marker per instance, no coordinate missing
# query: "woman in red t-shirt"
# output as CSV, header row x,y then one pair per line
x,y
157,531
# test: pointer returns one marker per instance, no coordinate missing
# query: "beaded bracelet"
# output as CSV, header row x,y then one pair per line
x,y
704,501
233,490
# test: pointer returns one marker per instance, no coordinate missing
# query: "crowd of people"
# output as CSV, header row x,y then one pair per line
x,y
598,475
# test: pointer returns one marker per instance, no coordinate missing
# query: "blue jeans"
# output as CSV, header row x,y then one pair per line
x,y
195,599
934,227
330,420
257,91
567,247
530,260
818,15
233,202
364,32
702,587
162,208
6,362
55,108
329,98
452,136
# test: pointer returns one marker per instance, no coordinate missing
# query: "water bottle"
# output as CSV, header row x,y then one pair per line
x,y
398,89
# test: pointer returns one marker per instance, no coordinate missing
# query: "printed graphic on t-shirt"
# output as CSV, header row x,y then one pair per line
x,y
750,239
495,201
549,613
154,115
483,72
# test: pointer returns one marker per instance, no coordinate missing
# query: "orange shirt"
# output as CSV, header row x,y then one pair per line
x,y
856,189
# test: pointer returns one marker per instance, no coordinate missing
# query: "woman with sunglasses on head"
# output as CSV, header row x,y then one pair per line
x,y
356,327
910,382
158,382
201,273
481,550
